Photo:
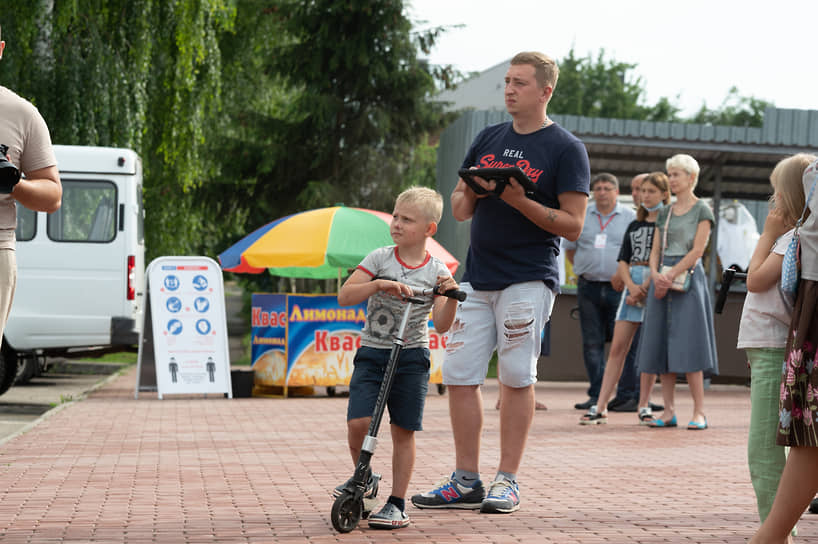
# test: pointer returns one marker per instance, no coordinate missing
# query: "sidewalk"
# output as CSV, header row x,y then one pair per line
x,y
113,469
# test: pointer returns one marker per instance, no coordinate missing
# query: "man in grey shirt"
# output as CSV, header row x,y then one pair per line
x,y
593,257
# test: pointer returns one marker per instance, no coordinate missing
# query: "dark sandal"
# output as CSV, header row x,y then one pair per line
x,y
594,419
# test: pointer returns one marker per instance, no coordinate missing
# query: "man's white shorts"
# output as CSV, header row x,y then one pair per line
x,y
510,321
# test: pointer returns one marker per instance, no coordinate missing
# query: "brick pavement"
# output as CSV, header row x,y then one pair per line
x,y
113,469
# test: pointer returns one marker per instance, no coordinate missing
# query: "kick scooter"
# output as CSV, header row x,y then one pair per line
x,y
347,509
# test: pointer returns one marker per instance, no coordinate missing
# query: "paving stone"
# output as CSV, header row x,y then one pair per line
x,y
114,469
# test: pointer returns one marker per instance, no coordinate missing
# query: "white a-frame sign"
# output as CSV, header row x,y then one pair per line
x,y
183,345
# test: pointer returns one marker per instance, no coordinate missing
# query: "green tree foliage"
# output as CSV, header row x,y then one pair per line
x,y
144,74
323,103
358,102
601,87
735,110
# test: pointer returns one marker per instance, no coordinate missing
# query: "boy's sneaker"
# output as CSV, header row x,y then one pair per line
x,y
371,491
450,494
389,517
503,498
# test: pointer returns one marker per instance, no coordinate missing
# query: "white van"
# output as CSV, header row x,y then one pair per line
x,y
80,280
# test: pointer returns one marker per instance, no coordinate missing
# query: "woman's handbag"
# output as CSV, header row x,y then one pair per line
x,y
681,283
791,265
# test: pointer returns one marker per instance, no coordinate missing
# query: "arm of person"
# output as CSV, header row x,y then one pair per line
x,y
464,200
766,275
699,244
623,271
617,282
360,286
567,221
764,270
40,190
444,308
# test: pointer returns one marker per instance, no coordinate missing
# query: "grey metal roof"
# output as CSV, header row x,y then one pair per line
x,y
742,157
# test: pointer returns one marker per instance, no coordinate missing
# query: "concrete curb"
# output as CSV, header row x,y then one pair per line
x,y
63,405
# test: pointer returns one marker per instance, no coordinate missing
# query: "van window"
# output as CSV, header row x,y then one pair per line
x,y
87,214
26,223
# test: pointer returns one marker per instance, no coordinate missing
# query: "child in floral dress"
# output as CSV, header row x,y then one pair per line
x,y
763,331
799,388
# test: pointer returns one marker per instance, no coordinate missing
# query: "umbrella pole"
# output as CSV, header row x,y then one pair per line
x,y
339,281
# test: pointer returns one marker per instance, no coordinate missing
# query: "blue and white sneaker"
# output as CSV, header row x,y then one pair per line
x,y
503,498
450,494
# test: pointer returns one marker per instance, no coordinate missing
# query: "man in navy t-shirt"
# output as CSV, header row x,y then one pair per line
x,y
511,279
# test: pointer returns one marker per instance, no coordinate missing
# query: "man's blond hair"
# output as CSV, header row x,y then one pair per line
x,y
428,201
545,68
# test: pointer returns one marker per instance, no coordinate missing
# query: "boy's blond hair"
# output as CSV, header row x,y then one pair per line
x,y
428,201
786,181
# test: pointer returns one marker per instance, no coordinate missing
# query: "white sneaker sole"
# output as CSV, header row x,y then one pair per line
x,y
491,508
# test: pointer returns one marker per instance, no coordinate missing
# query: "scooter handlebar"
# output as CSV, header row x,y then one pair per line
x,y
727,278
453,293
456,294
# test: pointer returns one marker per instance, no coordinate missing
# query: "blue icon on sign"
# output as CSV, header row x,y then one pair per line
x,y
175,327
201,304
174,304
171,283
199,283
203,326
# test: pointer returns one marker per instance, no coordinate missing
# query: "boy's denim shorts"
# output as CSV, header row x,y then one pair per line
x,y
408,394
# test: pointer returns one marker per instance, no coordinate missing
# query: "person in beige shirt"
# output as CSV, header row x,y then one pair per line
x,y
24,132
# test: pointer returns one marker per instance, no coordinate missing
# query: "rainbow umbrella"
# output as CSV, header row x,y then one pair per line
x,y
322,243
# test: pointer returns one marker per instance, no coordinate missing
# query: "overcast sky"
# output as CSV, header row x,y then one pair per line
x,y
691,52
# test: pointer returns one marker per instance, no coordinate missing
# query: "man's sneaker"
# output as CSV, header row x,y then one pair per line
x,y
503,498
630,405
450,494
389,517
585,405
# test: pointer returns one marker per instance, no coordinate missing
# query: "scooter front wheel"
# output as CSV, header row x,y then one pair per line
x,y
346,512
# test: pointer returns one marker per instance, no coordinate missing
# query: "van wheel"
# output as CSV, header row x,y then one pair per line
x,y
8,368
27,368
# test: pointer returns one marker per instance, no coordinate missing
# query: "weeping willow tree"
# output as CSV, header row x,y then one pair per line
x,y
242,110
144,74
